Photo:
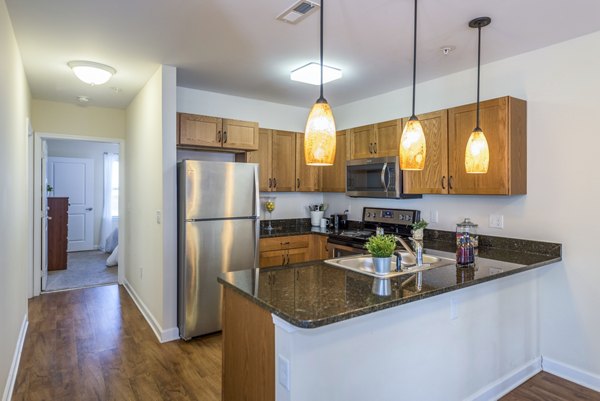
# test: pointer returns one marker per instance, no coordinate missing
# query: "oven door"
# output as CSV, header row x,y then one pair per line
x,y
339,251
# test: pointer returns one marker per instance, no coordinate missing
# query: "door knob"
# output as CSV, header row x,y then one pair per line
x,y
89,209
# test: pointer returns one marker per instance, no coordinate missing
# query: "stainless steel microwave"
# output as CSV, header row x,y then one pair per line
x,y
379,177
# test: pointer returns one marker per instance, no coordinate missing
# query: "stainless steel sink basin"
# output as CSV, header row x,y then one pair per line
x,y
364,264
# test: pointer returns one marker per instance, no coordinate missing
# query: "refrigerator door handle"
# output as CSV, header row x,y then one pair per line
x,y
256,200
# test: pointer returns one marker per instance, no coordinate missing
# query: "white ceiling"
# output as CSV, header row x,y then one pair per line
x,y
237,47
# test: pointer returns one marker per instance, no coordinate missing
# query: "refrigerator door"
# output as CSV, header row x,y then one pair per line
x,y
219,190
211,247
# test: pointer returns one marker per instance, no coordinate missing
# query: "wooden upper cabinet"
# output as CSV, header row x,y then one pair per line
x,y
214,132
307,177
361,142
283,165
263,156
433,179
387,138
375,140
333,178
504,123
199,130
240,134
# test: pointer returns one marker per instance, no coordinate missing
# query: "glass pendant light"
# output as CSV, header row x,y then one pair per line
x,y
413,147
319,135
477,154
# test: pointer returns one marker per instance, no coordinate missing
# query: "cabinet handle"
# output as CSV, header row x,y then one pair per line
x,y
450,182
297,274
374,147
287,259
371,148
219,136
274,182
282,260
443,182
224,136
270,182
297,182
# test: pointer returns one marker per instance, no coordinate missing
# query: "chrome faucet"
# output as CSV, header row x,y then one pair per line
x,y
417,253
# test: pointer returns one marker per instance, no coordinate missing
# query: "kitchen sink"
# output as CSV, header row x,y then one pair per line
x,y
364,264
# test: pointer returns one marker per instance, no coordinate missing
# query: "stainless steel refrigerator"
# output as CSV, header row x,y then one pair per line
x,y
218,224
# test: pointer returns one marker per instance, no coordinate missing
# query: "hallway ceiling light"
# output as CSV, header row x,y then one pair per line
x,y
413,147
311,74
477,153
92,73
319,135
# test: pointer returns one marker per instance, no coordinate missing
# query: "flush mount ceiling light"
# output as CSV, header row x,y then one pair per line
x,y
413,147
319,135
477,154
311,74
92,73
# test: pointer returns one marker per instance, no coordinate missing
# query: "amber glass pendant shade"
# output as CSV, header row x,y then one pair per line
x,y
413,147
477,154
319,135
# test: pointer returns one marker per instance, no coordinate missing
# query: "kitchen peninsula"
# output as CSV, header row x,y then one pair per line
x,y
316,332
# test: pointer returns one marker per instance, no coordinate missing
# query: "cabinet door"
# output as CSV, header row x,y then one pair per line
x,y
362,142
272,258
283,161
433,179
240,134
199,130
493,122
307,177
333,178
387,138
298,255
263,156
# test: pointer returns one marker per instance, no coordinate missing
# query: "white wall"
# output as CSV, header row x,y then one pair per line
x,y
561,86
268,115
151,266
88,150
14,212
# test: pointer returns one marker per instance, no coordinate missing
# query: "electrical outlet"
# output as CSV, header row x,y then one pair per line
x,y
283,368
496,221
453,309
433,216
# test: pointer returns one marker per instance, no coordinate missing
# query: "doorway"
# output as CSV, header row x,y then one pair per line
x,y
77,186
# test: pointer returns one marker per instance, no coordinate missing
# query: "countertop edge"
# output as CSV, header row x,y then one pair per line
x,y
313,324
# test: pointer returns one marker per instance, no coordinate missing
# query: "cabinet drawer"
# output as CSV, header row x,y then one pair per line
x,y
272,258
279,243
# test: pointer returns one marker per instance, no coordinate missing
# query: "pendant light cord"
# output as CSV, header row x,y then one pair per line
x,y
321,97
414,62
478,73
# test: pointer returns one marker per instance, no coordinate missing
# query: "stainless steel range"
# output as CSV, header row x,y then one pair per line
x,y
392,221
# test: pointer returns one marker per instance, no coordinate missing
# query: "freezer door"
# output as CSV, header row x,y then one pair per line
x,y
217,190
211,247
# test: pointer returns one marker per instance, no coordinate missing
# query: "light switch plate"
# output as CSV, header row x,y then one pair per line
x,y
496,221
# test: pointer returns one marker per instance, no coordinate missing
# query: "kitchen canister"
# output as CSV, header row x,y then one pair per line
x,y
315,218
466,234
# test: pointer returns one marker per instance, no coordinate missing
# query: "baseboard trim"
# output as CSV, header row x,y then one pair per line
x,y
509,382
163,335
571,373
14,367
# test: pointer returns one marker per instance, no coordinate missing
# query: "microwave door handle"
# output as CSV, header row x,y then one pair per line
x,y
389,177
383,170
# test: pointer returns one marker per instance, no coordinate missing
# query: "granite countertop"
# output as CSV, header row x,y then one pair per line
x,y
315,294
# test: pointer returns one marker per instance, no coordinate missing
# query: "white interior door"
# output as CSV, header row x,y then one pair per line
x,y
44,181
74,178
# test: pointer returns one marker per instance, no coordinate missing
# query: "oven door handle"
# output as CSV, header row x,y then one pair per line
x,y
383,170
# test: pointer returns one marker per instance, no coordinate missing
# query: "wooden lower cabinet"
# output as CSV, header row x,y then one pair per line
x,y
58,217
280,251
333,178
248,350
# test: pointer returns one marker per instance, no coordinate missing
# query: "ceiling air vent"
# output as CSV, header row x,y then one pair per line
x,y
298,11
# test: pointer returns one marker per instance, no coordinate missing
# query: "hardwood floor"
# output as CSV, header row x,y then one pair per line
x,y
547,387
94,344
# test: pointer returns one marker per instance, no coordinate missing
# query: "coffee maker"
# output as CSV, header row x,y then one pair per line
x,y
339,221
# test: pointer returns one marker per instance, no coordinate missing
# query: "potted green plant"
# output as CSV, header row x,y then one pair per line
x,y
381,248
417,229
